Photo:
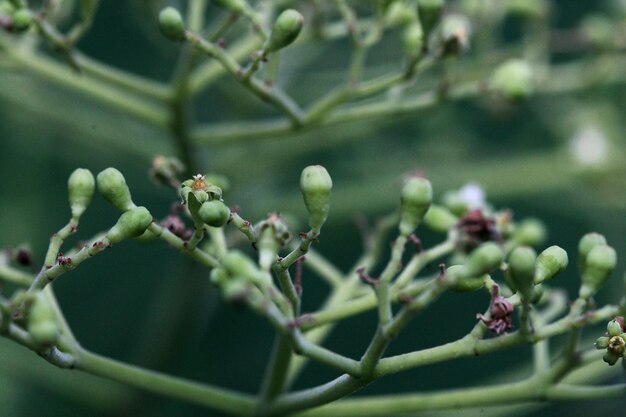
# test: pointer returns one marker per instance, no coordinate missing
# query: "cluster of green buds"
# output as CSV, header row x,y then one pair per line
x,y
134,220
526,270
596,261
614,342
14,17
204,201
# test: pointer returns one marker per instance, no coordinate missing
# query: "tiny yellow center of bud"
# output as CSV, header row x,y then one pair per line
x,y
199,182
617,345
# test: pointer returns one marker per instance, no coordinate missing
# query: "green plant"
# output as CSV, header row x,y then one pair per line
x,y
484,249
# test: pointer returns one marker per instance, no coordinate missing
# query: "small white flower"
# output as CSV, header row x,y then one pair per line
x,y
472,195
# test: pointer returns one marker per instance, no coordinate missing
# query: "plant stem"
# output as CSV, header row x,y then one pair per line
x,y
114,97
276,372
202,394
273,95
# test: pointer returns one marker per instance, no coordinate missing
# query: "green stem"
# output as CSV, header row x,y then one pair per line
x,y
412,403
199,255
470,346
115,97
273,95
122,79
15,276
202,394
314,397
277,370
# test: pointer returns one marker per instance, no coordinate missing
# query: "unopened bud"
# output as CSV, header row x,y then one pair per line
x,y
400,13
413,39
514,79
415,200
484,259
600,262
22,20
614,328
529,232
214,213
41,322
316,185
454,35
132,223
551,262
463,283
171,24
238,265
522,271
236,6
80,186
286,29
112,185
439,219
585,245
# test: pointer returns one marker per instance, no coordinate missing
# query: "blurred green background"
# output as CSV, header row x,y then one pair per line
x,y
147,305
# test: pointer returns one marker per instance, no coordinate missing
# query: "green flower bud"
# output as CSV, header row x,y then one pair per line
x,y
463,283
611,358
484,259
400,13
439,219
529,232
600,262
551,262
514,79
602,342
22,20
268,246
132,223
614,328
586,243
235,290
522,271
219,276
236,6
316,185
238,265
80,186
454,35
415,200
171,24
41,321
112,185
413,39
429,13
286,29
214,213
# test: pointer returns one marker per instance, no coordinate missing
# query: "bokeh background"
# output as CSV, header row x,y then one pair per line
x,y
557,157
